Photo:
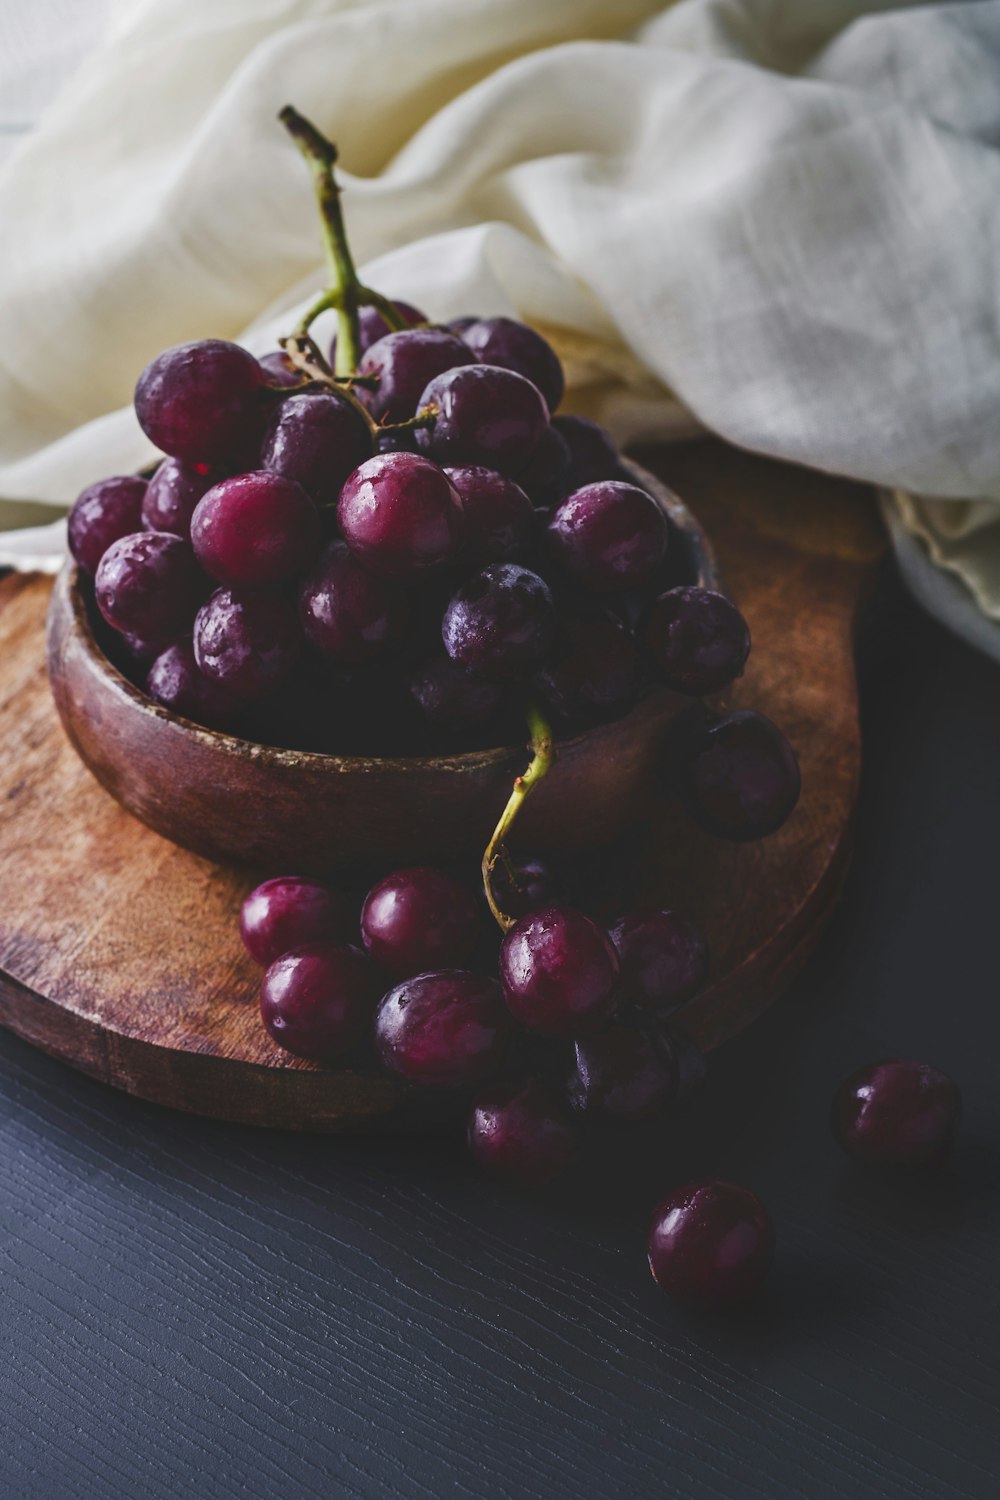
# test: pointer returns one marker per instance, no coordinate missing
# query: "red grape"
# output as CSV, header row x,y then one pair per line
x,y
347,613
500,623
418,919
247,641
317,1001
483,415
559,972
200,401
400,514
290,910
102,514
515,346
316,438
445,1029
254,529
608,536
710,1243
149,585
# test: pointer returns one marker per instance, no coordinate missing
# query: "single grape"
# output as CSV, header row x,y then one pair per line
x,y
521,1135
317,439
483,415
742,777
499,519
559,972
445,1029
148,585
247,641
608,536
515,346
200,401
347,613
500,623
593,671
711,1243
698,640
288,911
405,362
663,957
279,370
452,698
175,681
898,1113
317,1001
417,919
545,478
372,326
523,884
625,1074
254,529
172,495
102,514
400,514
593,455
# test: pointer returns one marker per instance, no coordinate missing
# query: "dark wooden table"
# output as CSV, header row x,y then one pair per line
x,y
197,1309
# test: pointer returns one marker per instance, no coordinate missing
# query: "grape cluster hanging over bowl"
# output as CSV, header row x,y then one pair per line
x,y
402,547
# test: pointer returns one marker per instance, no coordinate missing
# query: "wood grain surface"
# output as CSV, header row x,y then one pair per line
x,y
119,952
195,1309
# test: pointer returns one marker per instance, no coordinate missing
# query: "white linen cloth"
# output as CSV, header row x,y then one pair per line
x,y
774,218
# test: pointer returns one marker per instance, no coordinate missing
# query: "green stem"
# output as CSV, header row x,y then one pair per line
x,y
345,293
543,754
321,158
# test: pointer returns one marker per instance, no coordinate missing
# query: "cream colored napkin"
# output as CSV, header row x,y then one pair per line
x,y
784,213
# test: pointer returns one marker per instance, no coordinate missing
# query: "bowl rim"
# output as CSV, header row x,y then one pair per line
x,y
683,520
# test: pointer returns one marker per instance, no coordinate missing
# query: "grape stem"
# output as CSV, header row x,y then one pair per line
x,y
346,293
543,755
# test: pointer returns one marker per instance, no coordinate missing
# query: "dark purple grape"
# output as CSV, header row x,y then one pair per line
x,y
898,1113
452,698
500,623
175,681
545,478
742,777
405,362
317,1001
559,972
663,957
483,415
279,370
254,529
247,641
288,911
523,884
625,1074
149,585
372,326
521,1135
593,455
347,613
593,671
698,640
445,1029
102,514
710,1243
418,919
200,401
317,439
400,514
499,519
608,536
173,493
515,346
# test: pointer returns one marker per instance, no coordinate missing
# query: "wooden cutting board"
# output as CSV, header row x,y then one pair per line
x,y
119,953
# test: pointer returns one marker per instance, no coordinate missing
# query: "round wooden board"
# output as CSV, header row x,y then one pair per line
x,y
119,952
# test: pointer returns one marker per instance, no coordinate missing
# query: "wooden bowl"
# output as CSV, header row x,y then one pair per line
x,y
235,801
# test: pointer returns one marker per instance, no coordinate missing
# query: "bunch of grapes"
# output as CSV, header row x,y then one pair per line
x,y
400,547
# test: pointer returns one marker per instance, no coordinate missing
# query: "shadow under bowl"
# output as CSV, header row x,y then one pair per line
x,y
239,802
